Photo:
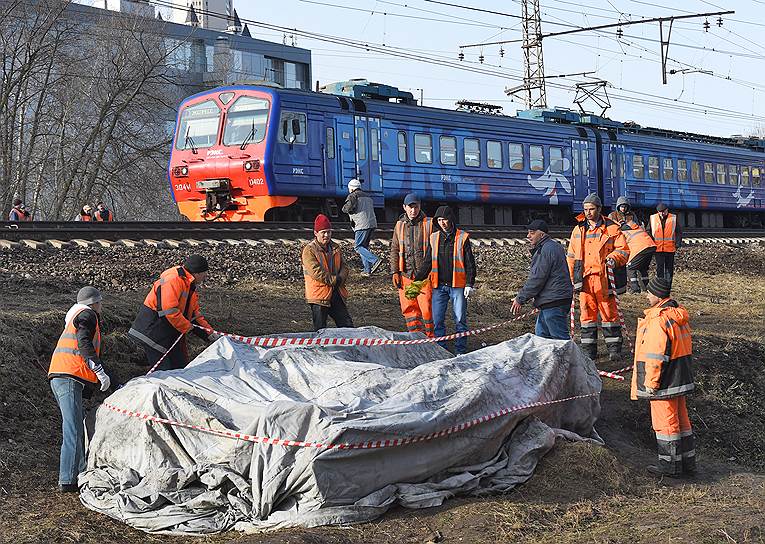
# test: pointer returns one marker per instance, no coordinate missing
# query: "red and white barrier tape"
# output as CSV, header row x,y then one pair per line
x,y
373,444
622,370
152,369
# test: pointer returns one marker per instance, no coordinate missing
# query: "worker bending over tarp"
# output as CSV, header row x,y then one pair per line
x,y
158,477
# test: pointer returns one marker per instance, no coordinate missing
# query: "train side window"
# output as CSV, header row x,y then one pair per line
x,y
516,156
292,128
494,154
720,174
682,170
472,152
695,172
586,162
330,143
361,143
556,160
402,146
653,167
709,172
575,158
612,163
668,170
423,148
448,150
536,158
745,176
755,176
733,175
638,166
623,167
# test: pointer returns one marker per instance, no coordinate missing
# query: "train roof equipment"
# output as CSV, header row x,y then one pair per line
x,y
362,88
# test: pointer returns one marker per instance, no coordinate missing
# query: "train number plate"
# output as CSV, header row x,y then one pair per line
x,y
210,184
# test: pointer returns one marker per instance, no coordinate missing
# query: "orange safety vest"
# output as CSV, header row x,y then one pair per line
x,y
86,217
317,292
109,216
637,238
20,214
459,277
588,251
663,353
427,229
664,236
178,302
67,359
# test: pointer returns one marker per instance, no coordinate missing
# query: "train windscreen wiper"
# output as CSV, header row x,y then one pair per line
x,y
190,141
250,136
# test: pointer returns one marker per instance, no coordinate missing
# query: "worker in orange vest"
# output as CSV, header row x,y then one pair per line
x,y
75,368
642,246
668,235
86,214
451,269
19,212
325,275
407,259
103,213
170,310
597,242
662,374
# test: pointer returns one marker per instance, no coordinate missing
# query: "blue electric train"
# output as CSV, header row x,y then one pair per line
x,y
253,152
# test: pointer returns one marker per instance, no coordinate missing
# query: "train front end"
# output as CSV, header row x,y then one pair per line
x,y
218,164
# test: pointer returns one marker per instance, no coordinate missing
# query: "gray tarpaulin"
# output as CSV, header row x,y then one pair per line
x,y
158,477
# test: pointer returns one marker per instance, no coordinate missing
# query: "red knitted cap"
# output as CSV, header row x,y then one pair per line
x,y
321,223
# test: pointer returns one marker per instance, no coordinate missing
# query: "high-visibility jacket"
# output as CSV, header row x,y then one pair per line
x,y
663,353
17,214
588,250
637,238
323,271
67,359
105,215
459,276
170,308
664,235
409,246
85,217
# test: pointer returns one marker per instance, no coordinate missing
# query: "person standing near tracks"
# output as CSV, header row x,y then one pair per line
x,y
596,244
663,375
407,258
86,214
668,235
169,312
19,212
359,206
642,246
75,368
450,265
325,275
103,213
548,284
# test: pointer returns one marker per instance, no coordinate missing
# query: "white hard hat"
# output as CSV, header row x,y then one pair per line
x,y
353,185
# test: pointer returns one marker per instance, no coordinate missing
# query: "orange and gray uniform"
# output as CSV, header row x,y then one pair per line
x,y
642,247
663,358
667,233
78,350
171,308
105,215
323,270
588,250
408,256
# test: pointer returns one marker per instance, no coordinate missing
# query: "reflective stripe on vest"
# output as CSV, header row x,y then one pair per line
x,y
426,225
67,358
459,276
664,236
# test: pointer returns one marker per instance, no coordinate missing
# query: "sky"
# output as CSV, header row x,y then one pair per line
x,y
718,87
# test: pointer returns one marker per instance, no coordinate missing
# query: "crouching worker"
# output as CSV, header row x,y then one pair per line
x,y
325,274
170,310
75,369
451,267
662,374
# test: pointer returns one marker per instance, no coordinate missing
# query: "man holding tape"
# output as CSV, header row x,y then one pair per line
x,y
662,374
170,310
75,369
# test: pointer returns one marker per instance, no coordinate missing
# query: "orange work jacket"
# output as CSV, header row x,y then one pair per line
x,y
67,359
637,238
663,353
664,236
322,272
99,217
588,250
459,276
400,236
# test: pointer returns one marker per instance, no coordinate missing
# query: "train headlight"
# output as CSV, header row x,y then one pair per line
x,y
251,166
181,171
248,165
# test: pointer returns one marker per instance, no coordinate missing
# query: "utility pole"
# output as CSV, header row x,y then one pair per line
x,y
533,87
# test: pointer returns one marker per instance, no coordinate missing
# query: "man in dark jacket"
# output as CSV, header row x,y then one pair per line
x,y
360,207
450,264
548,284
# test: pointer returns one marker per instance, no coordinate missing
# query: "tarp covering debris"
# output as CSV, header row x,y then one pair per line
x,y
160,477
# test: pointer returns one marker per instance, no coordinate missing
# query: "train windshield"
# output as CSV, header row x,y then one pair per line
x,y
198,126
246,121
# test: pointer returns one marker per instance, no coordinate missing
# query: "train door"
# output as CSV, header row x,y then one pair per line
x,y
368,156
330,154
345,158
616,161
585,175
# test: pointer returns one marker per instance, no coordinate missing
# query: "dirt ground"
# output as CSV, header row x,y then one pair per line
x,y
580,492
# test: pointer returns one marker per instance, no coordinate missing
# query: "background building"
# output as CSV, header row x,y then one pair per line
x,y
202,8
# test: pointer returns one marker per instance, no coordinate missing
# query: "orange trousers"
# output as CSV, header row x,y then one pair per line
x,y
418,312
674,435
593,301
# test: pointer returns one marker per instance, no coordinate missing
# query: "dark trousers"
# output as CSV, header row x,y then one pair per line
x,y
665,265
637,270
177,358
337,310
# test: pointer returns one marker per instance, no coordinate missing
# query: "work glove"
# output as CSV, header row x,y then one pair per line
x,y
103,377
467,291
651,390
611,263
397,281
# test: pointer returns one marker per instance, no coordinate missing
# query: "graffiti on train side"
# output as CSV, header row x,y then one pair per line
x,y
550,182
741,200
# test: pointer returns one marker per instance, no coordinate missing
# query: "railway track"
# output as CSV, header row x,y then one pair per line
x,y
64,233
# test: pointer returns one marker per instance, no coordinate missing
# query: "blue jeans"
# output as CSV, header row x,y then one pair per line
x,y
552,323
363,237
68,393
441,297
